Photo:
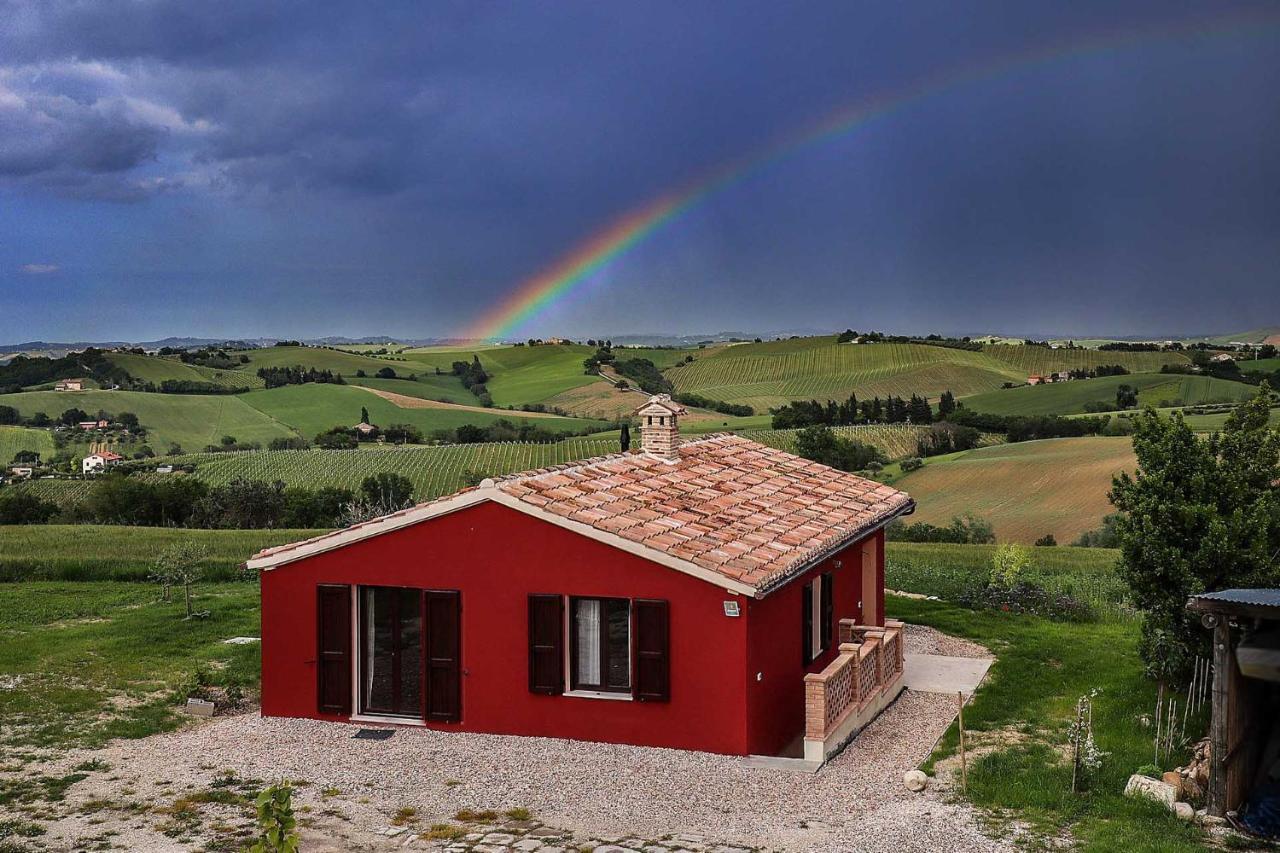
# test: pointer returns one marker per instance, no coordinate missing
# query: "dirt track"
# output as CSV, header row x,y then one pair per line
x,y
406,402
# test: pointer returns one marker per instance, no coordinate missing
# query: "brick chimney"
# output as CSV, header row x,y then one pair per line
x,y
659,426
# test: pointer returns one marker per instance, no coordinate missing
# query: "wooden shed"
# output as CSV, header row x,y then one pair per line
x,y
1244,731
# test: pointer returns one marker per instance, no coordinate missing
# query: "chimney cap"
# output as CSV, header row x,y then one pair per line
x,y
661,404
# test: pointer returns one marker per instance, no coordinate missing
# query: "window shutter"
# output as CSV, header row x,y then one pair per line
x,y
546,644
827,588
806,623
333,649
652,681
444,659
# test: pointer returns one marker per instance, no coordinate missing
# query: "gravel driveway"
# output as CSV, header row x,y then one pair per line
x,y
855,803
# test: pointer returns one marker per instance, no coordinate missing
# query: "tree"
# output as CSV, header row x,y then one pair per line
x,y
386,373
1126,397
336,438
946,405
1199,515
26,457
128,420
73,416
9,415
181,564
22,507
822,445
364,415
388,490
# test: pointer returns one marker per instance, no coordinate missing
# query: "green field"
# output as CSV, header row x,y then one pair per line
x,y
107,552
769,374
156,369
190,420
323,358
945,570
1026,490
1074,397
14,439
1259,365
313,408
428,386
897,441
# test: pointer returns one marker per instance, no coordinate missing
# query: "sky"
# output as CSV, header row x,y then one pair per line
x,y
302,169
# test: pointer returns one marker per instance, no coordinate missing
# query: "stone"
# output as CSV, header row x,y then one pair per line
x,y
1174,779
527,844
915,780
499,838
1152,789
1183,811
1213,820
393,831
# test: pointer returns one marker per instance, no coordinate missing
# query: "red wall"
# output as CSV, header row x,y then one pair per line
x,y
497,556
775,702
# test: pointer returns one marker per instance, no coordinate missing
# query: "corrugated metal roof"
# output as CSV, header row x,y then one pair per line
x,y
1258,597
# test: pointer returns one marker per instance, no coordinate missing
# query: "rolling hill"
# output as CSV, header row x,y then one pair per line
x,y
1025,490
150,368
313,408
189,420
769,374
14,439
1074,397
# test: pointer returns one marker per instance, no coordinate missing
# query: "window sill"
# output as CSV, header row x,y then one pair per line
x,y
387,720
598,694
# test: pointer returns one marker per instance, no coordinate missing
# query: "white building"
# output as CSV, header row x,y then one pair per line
x,y
96,463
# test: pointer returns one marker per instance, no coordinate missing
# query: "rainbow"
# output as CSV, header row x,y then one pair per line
x,y
572,270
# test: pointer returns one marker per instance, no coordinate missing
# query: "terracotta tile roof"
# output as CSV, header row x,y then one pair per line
x,y
744,510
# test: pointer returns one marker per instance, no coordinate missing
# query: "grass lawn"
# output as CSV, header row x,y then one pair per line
x,y
1023,710
105,552
1025,490
94,661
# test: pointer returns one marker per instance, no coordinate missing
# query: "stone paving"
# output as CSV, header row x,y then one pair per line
x,y
530,835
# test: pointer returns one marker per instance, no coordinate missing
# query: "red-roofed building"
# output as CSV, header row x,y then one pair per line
x,y
96,463
711,594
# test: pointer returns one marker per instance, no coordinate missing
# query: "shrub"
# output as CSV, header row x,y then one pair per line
x,y
1046,540
915,463
1024,597
1008,565
276,823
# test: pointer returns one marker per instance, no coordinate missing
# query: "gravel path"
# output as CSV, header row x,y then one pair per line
x,y
923,640
856,803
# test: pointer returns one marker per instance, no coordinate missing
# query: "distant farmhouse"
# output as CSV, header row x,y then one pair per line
x,y
96,463
69,385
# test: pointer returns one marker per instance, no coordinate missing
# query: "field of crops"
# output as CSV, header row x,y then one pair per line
x,y
428,386
1025,490
189,420
434,471
898,441
313,408
1074,397
156,369
14,439
768,374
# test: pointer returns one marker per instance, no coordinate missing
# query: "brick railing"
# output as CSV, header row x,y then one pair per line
x,y
870,658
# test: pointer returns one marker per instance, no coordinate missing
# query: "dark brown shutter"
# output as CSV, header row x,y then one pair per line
x,y
333,645
806,623
443,658
827,587
546,644
652,682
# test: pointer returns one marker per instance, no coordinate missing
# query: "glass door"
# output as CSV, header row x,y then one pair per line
x,y
391,651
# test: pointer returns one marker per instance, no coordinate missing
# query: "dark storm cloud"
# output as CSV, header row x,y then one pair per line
x,y
442,152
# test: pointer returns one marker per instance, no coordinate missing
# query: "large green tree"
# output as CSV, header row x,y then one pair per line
x,y
1199,515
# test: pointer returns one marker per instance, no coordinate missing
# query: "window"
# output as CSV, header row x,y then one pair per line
x,y
601,644
817,617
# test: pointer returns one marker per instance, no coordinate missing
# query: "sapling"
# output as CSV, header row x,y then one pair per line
x,y
1086,757
181,563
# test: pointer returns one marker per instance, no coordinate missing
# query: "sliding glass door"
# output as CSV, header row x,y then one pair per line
x,y
391,651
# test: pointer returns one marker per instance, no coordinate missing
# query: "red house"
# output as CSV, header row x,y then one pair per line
x,y
700,594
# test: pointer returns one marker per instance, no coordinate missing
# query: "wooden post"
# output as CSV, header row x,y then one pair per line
x,y
964,762
1220,698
